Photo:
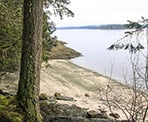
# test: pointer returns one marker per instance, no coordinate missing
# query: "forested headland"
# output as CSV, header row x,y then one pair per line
x,y
26,43
14,30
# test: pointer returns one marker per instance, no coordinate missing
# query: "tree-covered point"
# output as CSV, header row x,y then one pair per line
x,y
10,33
11,29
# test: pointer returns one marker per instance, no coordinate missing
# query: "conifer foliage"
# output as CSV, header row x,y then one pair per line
x,y
11,15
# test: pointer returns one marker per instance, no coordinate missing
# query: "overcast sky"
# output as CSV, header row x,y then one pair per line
x,y
93,12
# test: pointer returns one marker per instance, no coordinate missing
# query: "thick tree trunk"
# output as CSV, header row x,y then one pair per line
x,y
28,89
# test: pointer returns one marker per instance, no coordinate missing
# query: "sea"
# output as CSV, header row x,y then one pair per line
x,y
93,44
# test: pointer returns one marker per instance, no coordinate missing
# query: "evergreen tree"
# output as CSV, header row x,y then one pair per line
x,y
11,30
28,90
11,23
10,34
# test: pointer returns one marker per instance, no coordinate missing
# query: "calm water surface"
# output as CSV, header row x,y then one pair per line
x,y
93,45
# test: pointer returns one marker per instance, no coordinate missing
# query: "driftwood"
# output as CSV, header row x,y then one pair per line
x,y
65,98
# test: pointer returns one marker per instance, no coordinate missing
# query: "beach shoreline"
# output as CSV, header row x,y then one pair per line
x,y
89,89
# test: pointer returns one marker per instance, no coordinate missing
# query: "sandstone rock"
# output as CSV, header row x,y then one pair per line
x,y
114,115
94,114
74,119
57,94
52,98
43,96
55,112
102,110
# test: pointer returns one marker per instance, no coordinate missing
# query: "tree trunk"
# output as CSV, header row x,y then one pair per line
x,y
28,89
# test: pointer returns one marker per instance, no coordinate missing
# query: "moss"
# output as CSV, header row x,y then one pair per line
x,y
6,100
8,111
10,116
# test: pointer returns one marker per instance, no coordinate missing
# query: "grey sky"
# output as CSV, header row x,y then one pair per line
x,y
91,12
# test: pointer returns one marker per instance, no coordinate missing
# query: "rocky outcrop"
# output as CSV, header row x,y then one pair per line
x,y
52,111
75,119
94,114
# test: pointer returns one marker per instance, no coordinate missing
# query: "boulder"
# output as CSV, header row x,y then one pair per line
x,y
114,115
94,114
43,96
57,94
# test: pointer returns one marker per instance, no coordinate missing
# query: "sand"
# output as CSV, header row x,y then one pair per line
x,y
73,81
89,89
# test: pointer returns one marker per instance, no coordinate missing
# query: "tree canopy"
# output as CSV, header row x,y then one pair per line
x,y
11,30
10,34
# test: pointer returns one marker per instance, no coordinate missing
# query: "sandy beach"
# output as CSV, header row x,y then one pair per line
x,y
70,80
89,89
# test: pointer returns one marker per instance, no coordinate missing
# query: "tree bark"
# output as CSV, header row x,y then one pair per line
x,y
29,83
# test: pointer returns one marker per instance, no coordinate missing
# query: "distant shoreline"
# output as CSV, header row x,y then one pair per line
x,y
96,27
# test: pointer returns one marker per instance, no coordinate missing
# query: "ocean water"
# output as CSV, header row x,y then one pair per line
x,y
93,45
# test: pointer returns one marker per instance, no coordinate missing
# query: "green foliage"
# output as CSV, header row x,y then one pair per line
x,y
6,101
10,33
11,116
48,28
7,109
11,16
59,7
48,42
